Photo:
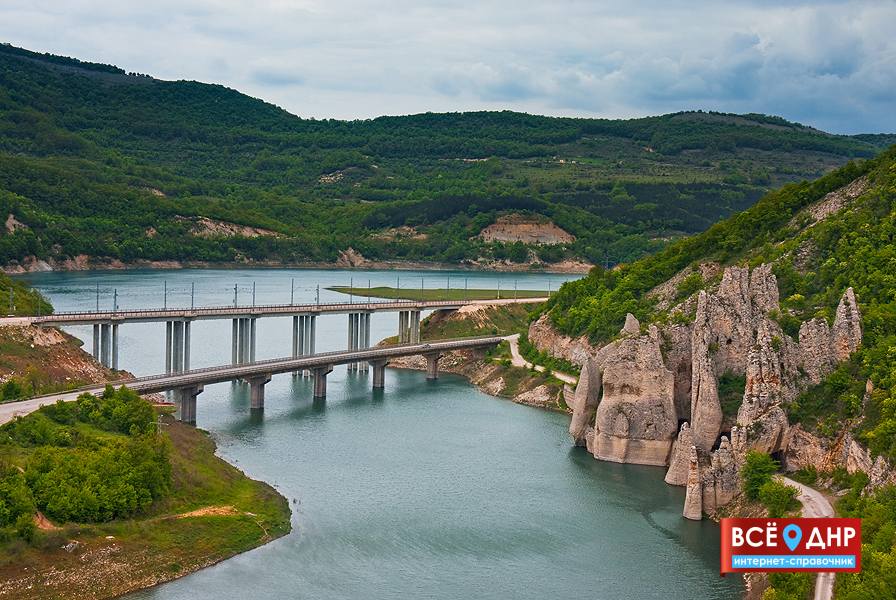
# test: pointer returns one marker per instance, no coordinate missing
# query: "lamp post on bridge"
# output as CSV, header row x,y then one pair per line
x,y
97,297
253,294
292,291
235,294
351,290
165,295
115,301
192,295
318,295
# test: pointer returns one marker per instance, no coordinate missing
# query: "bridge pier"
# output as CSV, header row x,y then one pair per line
x,y
177,346
185,399
303,334
242,344
115,346
408,326
256,390
358,337
105,344
169,327
320,380
96,341
379,373
432,365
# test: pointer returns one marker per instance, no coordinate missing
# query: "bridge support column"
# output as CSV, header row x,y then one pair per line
x,y
234,342
105,344
185,398
169,328
354,321
365,337
403,319
186,346
256,391
310,336
320,380
115,346
96,341
252,339
379,374
414,326
432,365
177,350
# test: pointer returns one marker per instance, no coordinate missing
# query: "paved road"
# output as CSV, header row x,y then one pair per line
x,y
816,505
232,312
517,360
209,375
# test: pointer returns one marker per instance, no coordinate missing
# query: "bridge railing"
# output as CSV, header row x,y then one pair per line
x,y
259,308
444,344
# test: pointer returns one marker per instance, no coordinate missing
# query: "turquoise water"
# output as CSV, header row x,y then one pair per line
x,y
425,490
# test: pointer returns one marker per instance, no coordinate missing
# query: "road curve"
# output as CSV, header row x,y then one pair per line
x,y
815,505
517,360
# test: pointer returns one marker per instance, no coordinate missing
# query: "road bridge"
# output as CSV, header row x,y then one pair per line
x,y
187,385
243,329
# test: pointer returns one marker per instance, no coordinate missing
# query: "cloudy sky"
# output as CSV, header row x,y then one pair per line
x,y
824,63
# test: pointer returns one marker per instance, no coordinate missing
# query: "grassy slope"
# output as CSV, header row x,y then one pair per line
x,y
157,546
438,293
86,151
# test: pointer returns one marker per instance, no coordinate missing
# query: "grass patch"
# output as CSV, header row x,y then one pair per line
x,y
158,543
437,293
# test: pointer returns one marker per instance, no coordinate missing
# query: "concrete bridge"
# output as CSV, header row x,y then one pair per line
x,y
187,385
243,337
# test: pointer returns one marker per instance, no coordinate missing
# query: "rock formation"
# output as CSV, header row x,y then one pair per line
x,y
636,420
847,330
681,455
693,499
635,391
585,401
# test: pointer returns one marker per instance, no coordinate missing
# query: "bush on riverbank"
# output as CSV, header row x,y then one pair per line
x,y
151,506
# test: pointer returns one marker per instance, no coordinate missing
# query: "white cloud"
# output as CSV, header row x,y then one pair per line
x,y
832,65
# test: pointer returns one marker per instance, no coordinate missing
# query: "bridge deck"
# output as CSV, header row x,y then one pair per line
x,y
273,310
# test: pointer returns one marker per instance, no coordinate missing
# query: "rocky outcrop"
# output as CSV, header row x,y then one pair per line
x,y
675,342
634,391
847,329
632,326
636,420
693,499
546,338
585,401
722,337
677,474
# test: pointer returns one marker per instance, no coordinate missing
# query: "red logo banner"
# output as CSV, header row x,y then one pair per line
x,y
791,545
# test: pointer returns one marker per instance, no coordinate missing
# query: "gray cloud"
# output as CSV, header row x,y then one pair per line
x,y
828,64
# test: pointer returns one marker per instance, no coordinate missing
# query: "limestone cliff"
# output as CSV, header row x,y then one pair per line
x,y
636,419
635,391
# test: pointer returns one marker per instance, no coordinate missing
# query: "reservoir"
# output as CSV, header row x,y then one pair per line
x,y
423,490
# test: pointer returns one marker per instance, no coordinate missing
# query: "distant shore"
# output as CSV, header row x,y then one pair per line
x,y
83,263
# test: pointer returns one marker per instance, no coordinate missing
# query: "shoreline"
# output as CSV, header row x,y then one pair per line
x,y
33,265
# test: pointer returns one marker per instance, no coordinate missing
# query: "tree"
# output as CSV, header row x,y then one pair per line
x,y
757,471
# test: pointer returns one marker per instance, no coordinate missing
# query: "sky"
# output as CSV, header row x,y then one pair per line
x,y
827,64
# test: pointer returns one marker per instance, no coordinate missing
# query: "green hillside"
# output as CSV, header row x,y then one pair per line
x,y
99,162
813,262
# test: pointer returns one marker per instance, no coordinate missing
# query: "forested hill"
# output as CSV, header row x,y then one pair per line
x,y
95,161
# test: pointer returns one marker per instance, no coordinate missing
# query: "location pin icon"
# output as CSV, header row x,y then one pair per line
x,y
792,536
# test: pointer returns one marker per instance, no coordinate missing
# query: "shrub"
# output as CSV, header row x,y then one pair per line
x,y
778,498
757,471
